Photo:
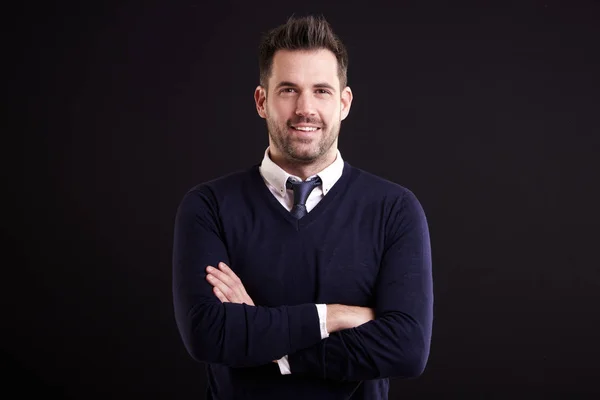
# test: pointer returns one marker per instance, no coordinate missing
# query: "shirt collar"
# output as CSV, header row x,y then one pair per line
x,y
277,177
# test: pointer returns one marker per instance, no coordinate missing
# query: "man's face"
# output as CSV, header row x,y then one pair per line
x,y
304,105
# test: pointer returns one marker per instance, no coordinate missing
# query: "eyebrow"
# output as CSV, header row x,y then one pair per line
x,y
316,85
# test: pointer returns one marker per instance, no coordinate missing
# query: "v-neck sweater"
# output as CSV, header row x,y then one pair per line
x,y
366,243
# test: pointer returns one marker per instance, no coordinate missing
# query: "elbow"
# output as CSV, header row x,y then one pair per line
x,y
202,341
413,368
404,364
411,364
412,351
203,333
199,347
201,351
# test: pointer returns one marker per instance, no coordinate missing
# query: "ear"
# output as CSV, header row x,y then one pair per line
x,y
346,102
260,97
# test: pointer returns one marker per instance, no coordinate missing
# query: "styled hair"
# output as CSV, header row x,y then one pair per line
x,y
302,33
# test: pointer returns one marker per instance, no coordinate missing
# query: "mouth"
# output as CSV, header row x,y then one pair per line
x,y
307,129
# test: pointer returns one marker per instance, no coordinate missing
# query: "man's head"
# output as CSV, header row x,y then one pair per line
x,y
303,93
306,33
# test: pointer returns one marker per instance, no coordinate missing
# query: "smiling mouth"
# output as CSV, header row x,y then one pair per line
x,y
305,128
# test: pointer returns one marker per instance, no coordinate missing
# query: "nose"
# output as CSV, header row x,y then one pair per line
x,y
305,105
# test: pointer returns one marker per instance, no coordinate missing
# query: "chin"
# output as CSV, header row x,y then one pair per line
x,y
306,156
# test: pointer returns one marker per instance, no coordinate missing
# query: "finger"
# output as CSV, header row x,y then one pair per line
x,y
229,272
223,288
235,282
233,288
220,295
237,291
220,275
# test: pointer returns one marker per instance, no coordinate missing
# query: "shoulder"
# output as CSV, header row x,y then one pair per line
x,y
391,200
374,186
398,208
214,191
227,182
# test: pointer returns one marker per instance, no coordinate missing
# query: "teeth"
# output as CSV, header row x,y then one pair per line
x,y
306,128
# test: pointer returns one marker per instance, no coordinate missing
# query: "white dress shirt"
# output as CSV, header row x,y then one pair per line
x,y
276,178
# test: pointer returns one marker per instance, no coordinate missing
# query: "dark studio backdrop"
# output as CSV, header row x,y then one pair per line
x,y
488,112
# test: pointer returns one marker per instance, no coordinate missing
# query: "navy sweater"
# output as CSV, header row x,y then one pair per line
x,y
366,243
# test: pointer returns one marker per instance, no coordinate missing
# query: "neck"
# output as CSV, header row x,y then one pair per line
x,y
303,170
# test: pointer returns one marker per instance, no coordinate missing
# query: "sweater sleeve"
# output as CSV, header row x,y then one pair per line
x,y
397,342
236,335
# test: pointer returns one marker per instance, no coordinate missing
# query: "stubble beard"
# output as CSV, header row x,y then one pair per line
x,y
302,151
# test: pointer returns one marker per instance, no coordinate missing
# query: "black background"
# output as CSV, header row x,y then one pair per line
x,y
487,111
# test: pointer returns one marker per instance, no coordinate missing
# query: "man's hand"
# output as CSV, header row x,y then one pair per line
x,y
341,317
226,285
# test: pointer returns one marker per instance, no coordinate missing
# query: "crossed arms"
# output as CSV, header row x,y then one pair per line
x,y
235,332
228,288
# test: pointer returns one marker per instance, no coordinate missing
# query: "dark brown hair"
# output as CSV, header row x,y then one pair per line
x,y
302,33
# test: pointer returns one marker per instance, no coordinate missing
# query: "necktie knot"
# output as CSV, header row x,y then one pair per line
x,y
301,192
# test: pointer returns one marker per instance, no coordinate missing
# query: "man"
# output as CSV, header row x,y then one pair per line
x,y
303,277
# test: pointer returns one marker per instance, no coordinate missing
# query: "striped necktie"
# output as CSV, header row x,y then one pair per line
x,y
301,192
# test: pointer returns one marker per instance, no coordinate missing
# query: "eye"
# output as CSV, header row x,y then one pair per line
x,y
287,90
323,91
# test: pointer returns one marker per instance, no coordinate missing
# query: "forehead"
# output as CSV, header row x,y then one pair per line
x,y
305,67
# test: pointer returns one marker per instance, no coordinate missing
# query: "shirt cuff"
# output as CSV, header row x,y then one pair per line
x,y
322,311
283,362
284,365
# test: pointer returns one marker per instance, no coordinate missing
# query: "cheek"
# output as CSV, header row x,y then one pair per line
x,y
275,110
270,112
331,113
283,112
